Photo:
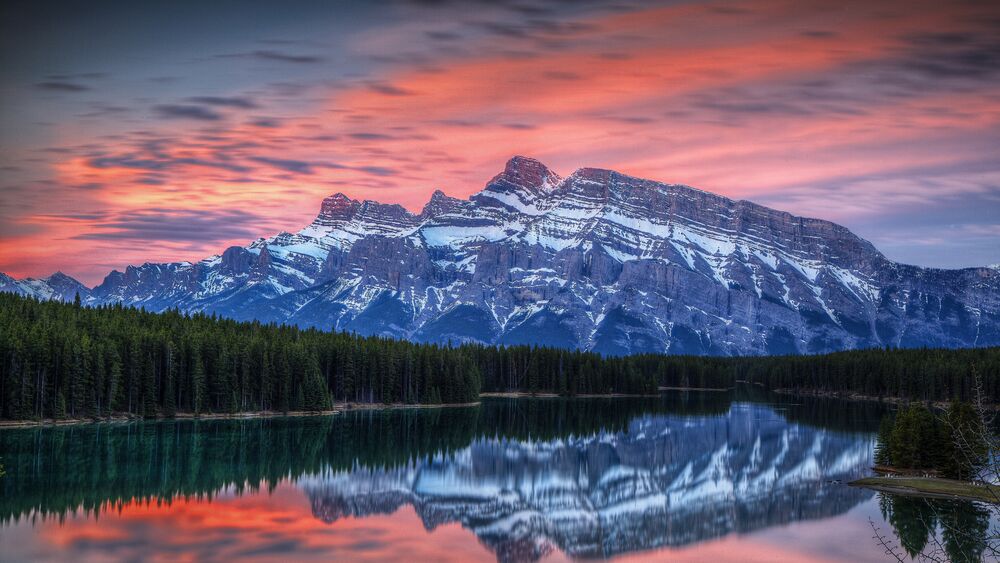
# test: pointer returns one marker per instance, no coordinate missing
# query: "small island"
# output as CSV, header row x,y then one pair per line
x,y
931,487
933,455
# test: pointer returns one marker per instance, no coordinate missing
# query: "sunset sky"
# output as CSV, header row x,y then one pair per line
x,y
145,131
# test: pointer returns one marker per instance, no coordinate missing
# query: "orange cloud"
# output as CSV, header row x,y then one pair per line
x,y
775,95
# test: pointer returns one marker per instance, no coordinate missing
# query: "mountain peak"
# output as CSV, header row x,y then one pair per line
x,y
338,199
521,184
528,172
59,276
596,174
338,206
438,204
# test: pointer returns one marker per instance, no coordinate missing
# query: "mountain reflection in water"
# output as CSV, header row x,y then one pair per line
x,y
662,481
586,477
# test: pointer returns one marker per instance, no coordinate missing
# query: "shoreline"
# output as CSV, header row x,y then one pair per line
x,y
528,395
712,389
848,396
518,395
344,407
339,408
930,487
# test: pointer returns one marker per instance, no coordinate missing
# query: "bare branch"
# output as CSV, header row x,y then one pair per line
x,y
891,549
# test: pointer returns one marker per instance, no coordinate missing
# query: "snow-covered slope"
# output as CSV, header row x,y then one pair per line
x,y
596,260
57,286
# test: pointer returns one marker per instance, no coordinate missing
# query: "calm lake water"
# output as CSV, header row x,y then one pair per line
x,y
737,476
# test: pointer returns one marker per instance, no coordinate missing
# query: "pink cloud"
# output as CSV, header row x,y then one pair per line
x,y
782,97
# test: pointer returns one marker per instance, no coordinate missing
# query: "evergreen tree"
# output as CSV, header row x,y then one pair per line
x,y
964,448
951,444
61,359
883,454
314,389
198,387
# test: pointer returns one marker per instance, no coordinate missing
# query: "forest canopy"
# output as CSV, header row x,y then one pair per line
x,y
61,360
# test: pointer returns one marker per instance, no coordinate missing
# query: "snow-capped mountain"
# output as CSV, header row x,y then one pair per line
x,y
58,286
596,260
665,481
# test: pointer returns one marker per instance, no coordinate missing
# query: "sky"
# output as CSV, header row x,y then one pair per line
x,y
135,132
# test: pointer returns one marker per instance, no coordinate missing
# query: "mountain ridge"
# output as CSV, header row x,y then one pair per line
x,y
596,260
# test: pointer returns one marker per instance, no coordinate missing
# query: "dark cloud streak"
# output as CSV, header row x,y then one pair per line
x,y
389,90
177,225
161,162
285,57
227,102
57,86
177,111
288,165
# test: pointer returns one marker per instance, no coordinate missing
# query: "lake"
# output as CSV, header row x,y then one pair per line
x,y
689,476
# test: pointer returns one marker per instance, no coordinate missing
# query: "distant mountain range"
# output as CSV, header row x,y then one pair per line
x,y
596,260
58,286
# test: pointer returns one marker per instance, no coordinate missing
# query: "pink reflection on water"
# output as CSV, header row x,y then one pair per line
x,y
280,526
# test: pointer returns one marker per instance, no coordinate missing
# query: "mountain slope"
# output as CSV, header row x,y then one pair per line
x,y
595,260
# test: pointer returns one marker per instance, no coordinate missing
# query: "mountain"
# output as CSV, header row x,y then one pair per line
x,y
664,481
596,260
57,286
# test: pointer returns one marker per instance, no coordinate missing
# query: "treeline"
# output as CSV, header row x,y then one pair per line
x,y
565,372
62,360
923,374
953,445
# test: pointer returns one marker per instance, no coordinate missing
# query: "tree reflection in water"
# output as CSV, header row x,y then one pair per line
x,y
590,477
955,528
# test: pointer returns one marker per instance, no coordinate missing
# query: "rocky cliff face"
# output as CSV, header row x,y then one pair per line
x,y
596,260
665,481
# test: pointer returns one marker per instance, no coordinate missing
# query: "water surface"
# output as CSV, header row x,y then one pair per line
x,y
736,476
